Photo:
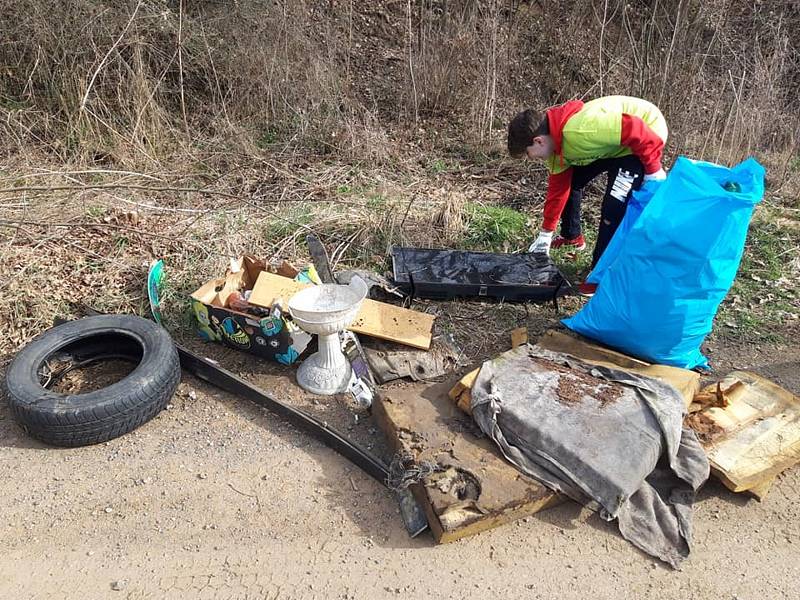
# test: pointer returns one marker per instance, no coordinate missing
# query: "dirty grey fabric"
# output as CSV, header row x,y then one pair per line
x,y
390,361
618,449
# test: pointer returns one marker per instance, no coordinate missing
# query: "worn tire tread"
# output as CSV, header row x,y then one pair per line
x,y
93,424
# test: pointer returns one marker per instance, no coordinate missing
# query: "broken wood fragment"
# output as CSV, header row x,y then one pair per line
x,y
755,436
718,397
519,336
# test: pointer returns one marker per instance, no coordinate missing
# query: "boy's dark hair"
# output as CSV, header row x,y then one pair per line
x,y
523,128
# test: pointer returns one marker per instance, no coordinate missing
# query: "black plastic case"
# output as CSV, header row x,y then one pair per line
x,y
444,274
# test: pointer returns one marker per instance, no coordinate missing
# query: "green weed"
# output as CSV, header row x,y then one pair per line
x,y
377,202
267,137
576,265
95,212
495,228
441,165
121,242
281,225
760,297
12,104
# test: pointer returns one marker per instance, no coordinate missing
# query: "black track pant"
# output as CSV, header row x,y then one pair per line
x,y
625,174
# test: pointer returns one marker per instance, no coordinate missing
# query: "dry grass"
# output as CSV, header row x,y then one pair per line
x,y
89,234
149,83
198,131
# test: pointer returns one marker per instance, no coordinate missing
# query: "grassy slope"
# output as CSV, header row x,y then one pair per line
x,y
347,150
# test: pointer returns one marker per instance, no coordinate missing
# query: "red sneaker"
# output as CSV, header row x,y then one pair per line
x,y
579,243
587,289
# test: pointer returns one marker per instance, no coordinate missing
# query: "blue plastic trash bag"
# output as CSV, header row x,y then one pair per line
x,y
675,259
636,205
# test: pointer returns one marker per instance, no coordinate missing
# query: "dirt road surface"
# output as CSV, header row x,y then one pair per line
x,y
216,498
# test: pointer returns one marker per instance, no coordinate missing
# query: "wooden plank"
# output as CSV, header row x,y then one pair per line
x,y
376,319
519,336
754,438
421,420
760,490
394,323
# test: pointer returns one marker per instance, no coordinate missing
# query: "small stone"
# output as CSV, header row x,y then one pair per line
x,y
192,395
108,510
118,586
202,475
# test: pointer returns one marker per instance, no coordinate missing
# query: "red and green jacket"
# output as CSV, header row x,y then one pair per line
x,y
607,127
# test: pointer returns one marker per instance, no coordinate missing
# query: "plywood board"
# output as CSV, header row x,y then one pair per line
x,y
754,438
376,319
478,489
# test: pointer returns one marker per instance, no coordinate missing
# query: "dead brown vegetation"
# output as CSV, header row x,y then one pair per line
x,y
233,127
141,81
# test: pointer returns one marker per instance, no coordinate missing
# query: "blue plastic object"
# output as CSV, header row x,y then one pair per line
x,y
671,262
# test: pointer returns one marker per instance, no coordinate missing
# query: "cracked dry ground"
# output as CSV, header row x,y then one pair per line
x,y
217,499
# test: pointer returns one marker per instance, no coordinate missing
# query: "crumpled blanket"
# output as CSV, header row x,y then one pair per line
x,y
609,439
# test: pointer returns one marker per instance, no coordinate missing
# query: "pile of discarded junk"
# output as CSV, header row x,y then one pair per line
x,y
608,411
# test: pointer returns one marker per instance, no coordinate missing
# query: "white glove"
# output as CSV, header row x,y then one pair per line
x,y
542,243
659,175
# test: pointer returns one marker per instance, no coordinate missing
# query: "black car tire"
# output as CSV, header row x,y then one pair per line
x,y
97,416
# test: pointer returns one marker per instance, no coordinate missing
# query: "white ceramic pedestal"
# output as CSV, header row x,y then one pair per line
x,y
326,372
325,310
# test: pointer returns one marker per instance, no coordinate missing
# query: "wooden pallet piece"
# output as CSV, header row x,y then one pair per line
x,y
420,419
754,438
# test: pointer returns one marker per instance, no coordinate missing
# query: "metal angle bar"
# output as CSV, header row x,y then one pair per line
x,y
209,371
225,380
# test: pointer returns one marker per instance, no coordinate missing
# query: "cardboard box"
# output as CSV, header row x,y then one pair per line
x,y
267,334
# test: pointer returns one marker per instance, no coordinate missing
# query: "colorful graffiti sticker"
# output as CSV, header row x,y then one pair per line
x,y
271,326
235,334
204,327
288,357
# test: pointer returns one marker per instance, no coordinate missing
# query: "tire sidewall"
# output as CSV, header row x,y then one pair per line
x,y
27,393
